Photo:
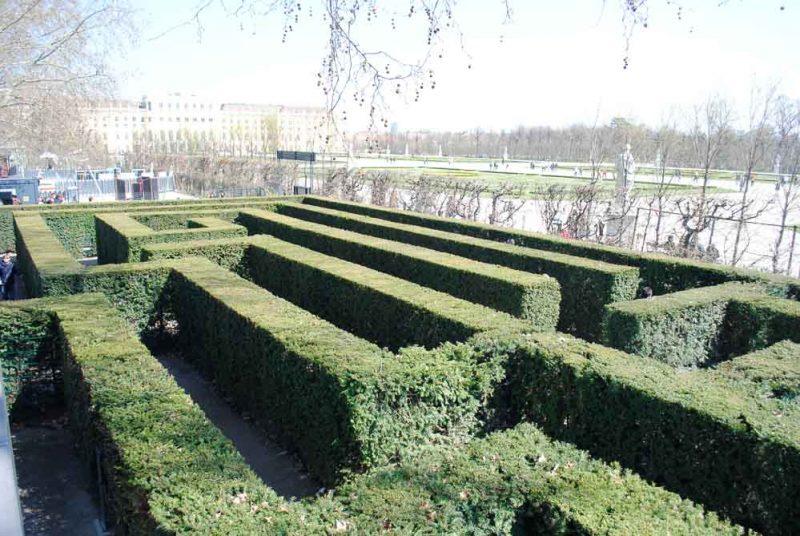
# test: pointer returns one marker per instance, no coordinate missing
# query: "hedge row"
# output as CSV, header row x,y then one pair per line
x,y
687,328
74,225
228,253
25,356
586,285
45,265
707,440
771,373
120,238
166,469
381,308
530,296
518,482
341,401
757,322
179,219
662,273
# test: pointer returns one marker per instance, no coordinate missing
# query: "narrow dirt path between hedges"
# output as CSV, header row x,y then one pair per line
x,y
277,468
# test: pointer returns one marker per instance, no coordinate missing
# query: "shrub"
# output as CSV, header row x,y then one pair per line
x,y
165,468
705,439
74,225
770,373
26,358
384,309
45,265
662,273
228,253
121,238
340,401
175,219
685,328
753,324
518,482
530,296
586,285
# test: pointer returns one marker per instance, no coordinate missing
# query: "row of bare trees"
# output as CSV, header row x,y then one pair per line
x,y
440,195
707,136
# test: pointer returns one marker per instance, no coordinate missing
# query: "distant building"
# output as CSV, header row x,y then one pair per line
x,y
180,123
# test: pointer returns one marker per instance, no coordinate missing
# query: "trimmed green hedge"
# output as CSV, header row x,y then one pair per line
x,y
756,323
662,273
518,482
26,357
166,469
73,224
381,308
175,219
229,253
530,296
771,373
687,328
705,439
120,238
586,285
44,263
340,401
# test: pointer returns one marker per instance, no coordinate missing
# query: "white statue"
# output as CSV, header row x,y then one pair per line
x,y
626,169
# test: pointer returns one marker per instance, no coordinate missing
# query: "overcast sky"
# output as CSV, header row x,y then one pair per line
x,y
554,64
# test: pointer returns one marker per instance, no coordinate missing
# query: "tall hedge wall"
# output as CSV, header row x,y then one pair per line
x,y
339,400
179,219
73,224
518,482
757,322
228,253
120,238
530,296
736,453
44,263
26,357
687,328
662,273
167,470
586,285
381,308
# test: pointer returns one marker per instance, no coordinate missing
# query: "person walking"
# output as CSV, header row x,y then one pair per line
x,y
8,273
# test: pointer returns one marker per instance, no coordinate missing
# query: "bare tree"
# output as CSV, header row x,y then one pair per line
x,y
383,185
551,201
787,124
51,52
582,209
710,131
759,135
504,203
666,141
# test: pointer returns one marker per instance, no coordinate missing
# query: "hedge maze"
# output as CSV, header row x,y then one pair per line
x,y
439,376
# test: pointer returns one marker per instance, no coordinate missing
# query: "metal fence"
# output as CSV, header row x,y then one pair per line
x,y
74,189
750,244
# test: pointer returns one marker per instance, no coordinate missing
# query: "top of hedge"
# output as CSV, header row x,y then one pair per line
x,y
574,247
561,258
